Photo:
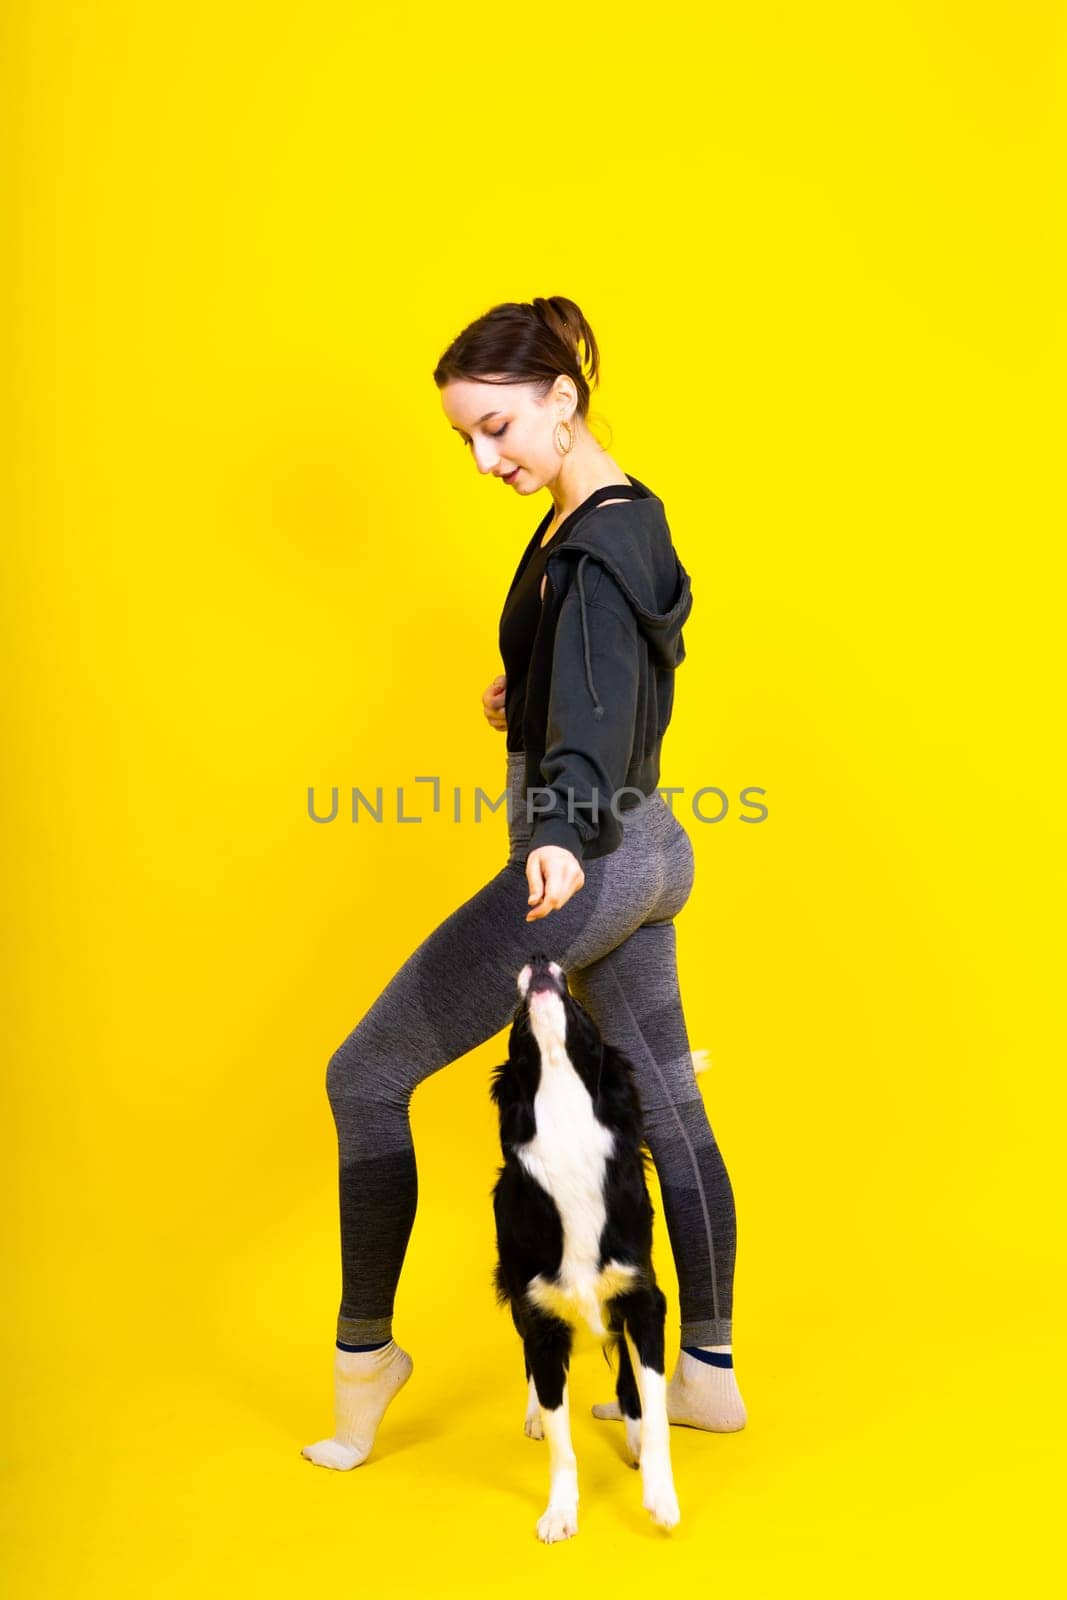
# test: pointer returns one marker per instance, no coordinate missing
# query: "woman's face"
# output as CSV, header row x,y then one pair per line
x,y
508,431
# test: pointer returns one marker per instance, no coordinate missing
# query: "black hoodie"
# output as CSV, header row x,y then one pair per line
x,y
601,679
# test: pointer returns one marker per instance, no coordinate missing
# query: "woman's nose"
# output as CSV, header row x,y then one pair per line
x,y
485,460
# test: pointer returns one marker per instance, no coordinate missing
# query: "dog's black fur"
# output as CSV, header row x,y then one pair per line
x,y
529,1227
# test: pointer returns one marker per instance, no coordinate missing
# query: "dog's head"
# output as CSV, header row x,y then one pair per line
x,y
552,1018
550,1022
550,1028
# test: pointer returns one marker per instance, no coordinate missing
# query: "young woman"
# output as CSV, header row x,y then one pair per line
x,y
599,866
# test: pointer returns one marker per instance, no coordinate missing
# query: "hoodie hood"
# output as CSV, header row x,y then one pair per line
x,y
632,542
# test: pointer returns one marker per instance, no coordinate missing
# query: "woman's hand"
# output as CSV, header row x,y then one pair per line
x,y
554,874
493,702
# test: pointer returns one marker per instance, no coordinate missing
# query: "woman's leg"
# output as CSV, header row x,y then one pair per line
x,y
632,993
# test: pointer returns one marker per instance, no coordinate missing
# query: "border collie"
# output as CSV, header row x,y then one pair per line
x,y
574,1234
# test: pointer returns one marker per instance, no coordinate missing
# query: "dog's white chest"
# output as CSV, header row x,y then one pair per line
x,y
568,1156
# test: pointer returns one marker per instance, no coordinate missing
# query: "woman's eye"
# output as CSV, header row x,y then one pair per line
x,y
468,442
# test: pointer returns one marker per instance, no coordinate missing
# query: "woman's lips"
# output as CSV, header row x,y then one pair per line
x,y
510,477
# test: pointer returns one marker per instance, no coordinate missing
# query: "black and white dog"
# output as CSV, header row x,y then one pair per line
x,y
574,1234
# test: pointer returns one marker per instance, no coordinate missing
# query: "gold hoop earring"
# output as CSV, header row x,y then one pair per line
x,y
564,449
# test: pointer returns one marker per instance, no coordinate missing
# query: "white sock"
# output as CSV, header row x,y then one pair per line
x,y
698,1395
365,1381
703,1396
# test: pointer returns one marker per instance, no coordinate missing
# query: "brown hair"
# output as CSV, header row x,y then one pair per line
x,y
527,343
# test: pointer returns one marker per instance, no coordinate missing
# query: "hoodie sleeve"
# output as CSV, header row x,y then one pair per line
x,y
592,706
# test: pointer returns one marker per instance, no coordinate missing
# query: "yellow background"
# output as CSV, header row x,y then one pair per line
x,y
821,247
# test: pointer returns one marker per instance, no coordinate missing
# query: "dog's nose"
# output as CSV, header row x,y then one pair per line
x,y
544,976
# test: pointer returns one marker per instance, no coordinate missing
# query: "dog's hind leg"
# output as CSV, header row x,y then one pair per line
x,y
626,1387
548,1349
532,1425
645,1314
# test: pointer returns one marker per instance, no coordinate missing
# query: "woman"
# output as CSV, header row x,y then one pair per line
x,y
590,637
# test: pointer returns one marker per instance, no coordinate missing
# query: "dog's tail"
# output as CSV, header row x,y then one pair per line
x,y
610,1348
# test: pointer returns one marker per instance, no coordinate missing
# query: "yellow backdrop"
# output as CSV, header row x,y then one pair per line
x,y
821,247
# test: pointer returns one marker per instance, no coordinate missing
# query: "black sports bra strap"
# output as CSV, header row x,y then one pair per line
x,y
608,491
612,491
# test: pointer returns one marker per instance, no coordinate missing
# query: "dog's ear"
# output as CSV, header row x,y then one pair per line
x,y
496,1082
513,1087
619,1093
582,1032
511,1093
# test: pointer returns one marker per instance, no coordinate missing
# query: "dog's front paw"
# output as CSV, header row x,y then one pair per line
x,y
661,1503
558,1522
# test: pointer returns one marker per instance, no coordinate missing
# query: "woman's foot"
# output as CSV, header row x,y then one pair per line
x,y
699,1395
365,1381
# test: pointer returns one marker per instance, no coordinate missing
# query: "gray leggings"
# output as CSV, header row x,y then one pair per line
x,y
615,940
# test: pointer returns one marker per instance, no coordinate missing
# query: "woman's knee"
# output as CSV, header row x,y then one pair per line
x,y
342,1074
357,1071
